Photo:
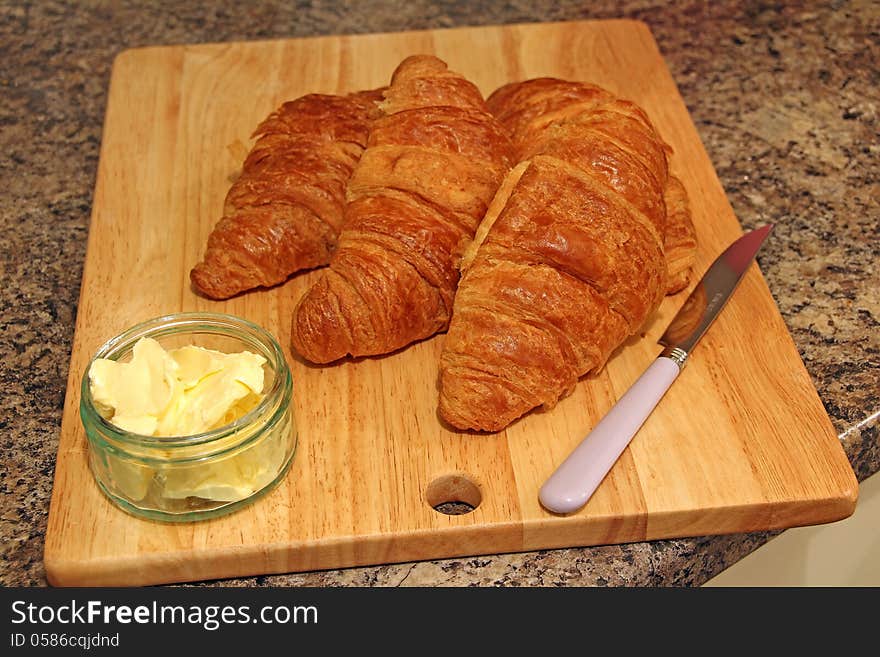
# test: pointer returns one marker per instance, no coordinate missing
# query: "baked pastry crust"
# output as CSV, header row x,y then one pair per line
x,y
284,213
571,258
680,240
432,165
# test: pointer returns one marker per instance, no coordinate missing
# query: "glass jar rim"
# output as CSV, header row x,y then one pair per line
x,y
181,323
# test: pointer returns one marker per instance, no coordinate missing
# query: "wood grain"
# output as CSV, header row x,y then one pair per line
x,y
740,443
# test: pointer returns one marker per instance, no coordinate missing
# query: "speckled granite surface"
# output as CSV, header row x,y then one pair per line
x,y
784,95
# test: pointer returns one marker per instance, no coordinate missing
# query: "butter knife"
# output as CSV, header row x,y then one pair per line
x,y
576,479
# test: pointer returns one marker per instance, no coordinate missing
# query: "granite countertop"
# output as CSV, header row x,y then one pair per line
x,y
785,99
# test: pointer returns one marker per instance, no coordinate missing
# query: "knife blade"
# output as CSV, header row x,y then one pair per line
x,y
573,483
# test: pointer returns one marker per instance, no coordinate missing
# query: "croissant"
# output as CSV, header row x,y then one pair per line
x,y
285,211
432,164
571,257
680,240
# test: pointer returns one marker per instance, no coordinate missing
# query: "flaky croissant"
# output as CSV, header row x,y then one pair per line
x,y
571,257
285,211
432,164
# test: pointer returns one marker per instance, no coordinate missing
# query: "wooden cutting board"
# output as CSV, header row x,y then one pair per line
x,y
740,443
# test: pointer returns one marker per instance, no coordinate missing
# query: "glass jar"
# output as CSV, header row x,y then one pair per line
x,y
184,478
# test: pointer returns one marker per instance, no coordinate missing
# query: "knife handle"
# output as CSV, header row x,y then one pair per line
x,y
574,482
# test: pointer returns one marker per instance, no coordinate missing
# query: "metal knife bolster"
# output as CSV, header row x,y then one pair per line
x,y
676,354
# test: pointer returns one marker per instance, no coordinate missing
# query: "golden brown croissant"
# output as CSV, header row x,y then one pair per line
x,y
680,241
431,166
569,260
284,213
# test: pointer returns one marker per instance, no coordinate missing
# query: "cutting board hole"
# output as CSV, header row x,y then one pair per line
x,y
453,494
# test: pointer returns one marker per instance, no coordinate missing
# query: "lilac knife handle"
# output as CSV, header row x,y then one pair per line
x,y
574,482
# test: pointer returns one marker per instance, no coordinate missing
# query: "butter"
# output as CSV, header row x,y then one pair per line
x,y
182,392
179,392
229,479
